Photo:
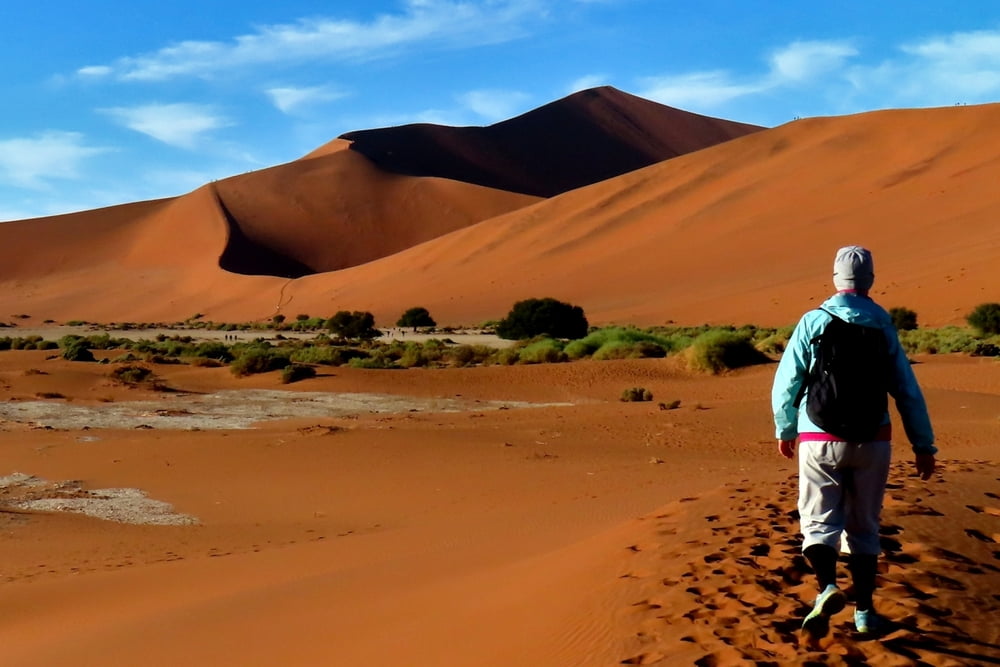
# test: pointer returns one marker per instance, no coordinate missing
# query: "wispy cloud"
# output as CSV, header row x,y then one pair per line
x,y
937,71
699,89
962,66
494,105
440,23
94,71
587,81
32,162
806,60
798,63
178,124
290,99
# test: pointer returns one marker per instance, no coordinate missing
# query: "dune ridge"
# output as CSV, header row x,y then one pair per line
x,y
586,137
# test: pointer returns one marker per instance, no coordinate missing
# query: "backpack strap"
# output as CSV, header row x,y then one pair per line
x,y
805,382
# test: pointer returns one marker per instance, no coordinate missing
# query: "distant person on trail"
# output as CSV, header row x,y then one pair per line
x,y
830,391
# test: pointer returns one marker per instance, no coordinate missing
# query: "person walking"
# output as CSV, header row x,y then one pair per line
x,y
843,465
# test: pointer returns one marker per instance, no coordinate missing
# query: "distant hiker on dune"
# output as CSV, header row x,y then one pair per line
x,y
830,391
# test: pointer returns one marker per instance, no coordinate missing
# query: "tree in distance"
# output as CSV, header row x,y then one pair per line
x,y
903,319
356,325
985,318
535,317
417,316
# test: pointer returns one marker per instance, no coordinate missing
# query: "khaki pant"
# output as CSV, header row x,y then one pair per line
x,y
841,485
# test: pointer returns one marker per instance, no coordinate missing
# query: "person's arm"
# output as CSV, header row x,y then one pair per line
x,y
912,408
788,379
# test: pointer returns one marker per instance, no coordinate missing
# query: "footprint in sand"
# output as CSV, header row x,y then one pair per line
x,y
992,511
979,535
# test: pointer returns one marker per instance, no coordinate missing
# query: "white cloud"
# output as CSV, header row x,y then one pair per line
x,y
289,99
962,66
697,89
441,23
937,71
494,105
178,124
802,61
797,64
94,71
32,162
587,81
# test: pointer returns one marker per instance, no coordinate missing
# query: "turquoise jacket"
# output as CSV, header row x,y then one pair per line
x,y
798,357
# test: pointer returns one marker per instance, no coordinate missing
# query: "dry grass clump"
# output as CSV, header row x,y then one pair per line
x,y
138,376
719,350
636,394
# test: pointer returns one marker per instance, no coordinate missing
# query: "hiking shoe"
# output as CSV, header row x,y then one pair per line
x,y
867,621
829,602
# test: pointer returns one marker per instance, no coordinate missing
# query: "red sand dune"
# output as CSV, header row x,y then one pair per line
x,y
587,137
743,231
337,210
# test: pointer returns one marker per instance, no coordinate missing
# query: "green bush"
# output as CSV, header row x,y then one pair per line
x,y
536,317
467,355
620,343
719,350
507,356
131,375
544,351
986,350
376,361
903,319
258,360
417,316
356,325
308,324
636,394
946,340
413,356
77,350
296,372
773,344
629,350
985,318
210,350
328,355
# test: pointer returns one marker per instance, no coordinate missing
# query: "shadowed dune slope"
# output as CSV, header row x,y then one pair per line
x,y
149,261
336,210
743,231
581,139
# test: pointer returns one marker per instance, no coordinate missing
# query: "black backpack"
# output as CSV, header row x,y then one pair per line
x,y
847,387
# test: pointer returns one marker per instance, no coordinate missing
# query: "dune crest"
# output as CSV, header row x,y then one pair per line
x,y
581,139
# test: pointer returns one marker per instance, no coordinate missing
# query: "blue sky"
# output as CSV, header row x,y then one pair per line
x,y
106,102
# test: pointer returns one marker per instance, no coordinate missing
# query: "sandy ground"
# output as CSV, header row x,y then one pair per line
x,y
592,532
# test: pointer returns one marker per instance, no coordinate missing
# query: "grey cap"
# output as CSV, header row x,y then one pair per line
x,y
853,269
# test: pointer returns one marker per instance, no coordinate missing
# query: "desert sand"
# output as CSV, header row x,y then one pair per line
x,y
494,515
507,531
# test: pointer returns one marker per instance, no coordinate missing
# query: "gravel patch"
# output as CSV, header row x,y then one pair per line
x,y
236,409
123,505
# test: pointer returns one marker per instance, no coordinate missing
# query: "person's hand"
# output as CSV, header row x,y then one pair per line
x,y
925,464
786,448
